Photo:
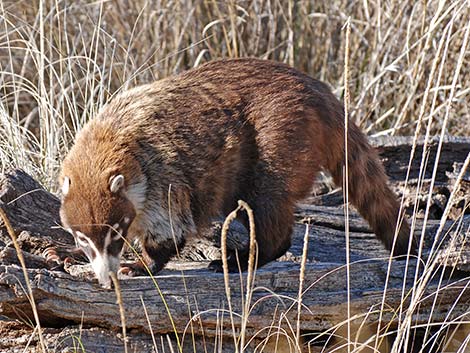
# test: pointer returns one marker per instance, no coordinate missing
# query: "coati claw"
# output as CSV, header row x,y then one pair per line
x,y
133,270
53,259
51,255
137,269
60,259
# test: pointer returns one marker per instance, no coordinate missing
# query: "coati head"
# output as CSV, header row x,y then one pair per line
x,y
98,215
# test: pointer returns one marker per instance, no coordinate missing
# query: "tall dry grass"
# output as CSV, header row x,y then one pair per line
x,y
61,60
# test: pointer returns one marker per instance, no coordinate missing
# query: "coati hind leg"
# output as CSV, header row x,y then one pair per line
x,y
273,218
283,174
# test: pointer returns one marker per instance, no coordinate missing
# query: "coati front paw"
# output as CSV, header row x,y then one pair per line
x,y
136,269
60,258
132,269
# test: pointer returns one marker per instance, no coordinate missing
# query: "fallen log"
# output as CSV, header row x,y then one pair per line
x,y
186,304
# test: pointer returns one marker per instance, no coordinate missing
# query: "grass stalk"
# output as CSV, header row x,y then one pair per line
x,y
122,311
346,172
30,294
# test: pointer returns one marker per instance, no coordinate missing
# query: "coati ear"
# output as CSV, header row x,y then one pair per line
x,y
116,182
66,186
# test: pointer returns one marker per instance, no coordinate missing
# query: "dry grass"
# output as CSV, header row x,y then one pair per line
x,y
408,73
61,60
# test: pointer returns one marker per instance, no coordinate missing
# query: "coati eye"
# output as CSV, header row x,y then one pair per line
x,y
116,232
82,239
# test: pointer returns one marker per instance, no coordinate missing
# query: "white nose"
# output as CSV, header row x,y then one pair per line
x,y
103,265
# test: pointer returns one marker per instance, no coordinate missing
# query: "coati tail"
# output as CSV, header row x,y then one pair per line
x,y
370,194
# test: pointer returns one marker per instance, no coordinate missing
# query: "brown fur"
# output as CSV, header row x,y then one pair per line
x,y
199,141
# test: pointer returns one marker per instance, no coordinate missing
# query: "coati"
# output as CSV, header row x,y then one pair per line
x,y
160,161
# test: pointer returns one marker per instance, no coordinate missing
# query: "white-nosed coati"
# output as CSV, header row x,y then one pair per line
x,y
162,160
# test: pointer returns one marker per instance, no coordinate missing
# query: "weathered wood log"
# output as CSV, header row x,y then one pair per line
x,y
33,210
15,334
65,300
82,339
195,298
395,154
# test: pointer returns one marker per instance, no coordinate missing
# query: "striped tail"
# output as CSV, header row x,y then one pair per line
x,y
370,194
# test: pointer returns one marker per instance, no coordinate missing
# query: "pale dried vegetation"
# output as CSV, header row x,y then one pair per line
x,y
60,61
